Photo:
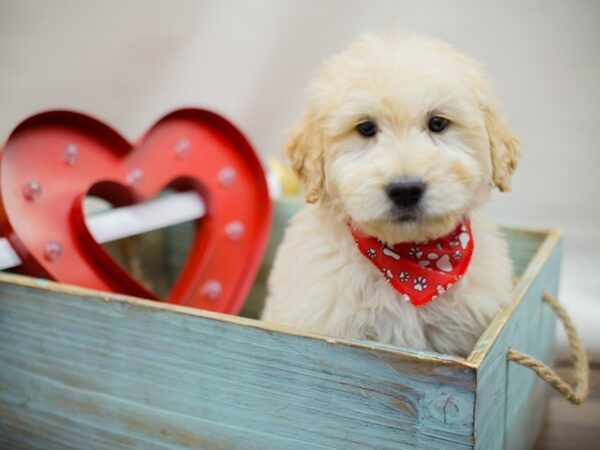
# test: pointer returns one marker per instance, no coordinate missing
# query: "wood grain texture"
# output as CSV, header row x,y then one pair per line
x,y
523,245
85,370
511,399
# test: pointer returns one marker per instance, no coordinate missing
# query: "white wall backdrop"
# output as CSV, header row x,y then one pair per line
x,y
129,62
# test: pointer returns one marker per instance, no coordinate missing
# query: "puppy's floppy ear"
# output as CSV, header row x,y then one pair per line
x,y
504,147
304,146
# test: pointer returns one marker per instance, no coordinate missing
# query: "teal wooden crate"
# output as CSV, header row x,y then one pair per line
x,y
87,369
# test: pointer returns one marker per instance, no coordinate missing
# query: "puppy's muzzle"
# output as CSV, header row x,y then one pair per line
x,y
405,193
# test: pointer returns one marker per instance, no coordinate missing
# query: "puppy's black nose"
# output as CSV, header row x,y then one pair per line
x,y
405,193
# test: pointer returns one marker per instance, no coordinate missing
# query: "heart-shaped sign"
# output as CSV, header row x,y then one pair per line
x,y
53,160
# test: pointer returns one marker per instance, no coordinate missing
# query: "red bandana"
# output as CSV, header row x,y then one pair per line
x,y
420,272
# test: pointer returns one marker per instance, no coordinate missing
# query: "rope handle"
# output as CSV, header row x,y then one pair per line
x,y
577,394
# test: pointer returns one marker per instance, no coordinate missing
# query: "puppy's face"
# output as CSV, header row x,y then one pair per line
x,y
401,136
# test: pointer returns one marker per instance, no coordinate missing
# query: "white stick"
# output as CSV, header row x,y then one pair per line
x,y
128,221
8,256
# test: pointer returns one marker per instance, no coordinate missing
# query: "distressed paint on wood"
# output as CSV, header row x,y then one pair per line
x,y
86,368
511,399
522,246
82,367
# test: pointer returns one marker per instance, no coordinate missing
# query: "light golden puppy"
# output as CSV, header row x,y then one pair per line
x,y
401,143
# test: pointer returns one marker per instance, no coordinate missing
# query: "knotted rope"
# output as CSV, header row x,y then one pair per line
x,y
577,394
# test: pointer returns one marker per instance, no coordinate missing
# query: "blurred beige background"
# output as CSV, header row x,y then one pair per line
x,y
129,62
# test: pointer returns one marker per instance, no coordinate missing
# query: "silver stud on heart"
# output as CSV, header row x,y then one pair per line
x,y
212,289
70,155
135,176
227,176
182,148
53,251
234,230
32,190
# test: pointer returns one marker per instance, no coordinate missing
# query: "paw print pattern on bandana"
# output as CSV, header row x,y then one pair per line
x,y
464,237
414,252
391,253
443,264
420,271
419,283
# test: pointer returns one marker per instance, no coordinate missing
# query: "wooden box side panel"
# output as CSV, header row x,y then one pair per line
x,y
81,371
511,399
522,247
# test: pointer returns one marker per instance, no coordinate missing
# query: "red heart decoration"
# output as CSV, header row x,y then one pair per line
x,y
53,160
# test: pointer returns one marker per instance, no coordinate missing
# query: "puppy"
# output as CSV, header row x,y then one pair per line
x,y
399,147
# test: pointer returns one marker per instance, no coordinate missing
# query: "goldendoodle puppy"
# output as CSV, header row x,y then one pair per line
x,y
399,147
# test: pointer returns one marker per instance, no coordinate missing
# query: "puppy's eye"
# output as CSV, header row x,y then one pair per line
x,y
437,124
367,128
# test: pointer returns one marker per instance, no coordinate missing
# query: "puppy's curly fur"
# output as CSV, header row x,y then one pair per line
x,y
320,282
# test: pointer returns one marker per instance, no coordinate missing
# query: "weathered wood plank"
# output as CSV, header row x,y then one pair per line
x,y
83,368
88,369
522,246
511,399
